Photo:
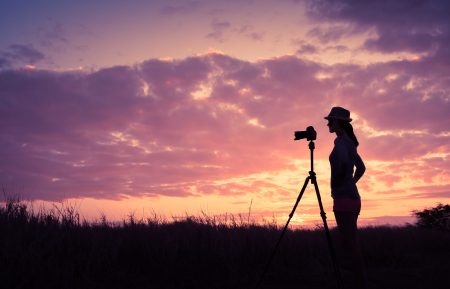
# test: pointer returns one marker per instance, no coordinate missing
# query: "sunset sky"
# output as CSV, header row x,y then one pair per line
x,y
189,107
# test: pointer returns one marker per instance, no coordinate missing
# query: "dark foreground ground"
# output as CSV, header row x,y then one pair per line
x,y
54,250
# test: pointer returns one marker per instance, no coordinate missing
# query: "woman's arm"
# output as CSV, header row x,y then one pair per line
x,y
360,168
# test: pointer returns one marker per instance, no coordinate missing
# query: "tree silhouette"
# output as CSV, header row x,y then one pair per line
x,y
434,218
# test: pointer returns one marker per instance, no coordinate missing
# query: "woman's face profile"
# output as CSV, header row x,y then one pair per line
x,y
331,125
335,126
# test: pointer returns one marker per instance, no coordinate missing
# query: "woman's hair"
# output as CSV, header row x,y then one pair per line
x,y
348,128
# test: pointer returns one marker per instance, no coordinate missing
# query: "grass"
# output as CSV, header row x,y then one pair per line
x,y
55,249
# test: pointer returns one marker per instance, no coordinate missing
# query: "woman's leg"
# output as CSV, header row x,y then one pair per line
x,y
347,227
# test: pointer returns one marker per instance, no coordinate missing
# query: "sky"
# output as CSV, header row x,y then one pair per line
x,y
175,108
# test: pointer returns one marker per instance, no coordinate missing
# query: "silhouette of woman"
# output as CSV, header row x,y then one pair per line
x,y
346,199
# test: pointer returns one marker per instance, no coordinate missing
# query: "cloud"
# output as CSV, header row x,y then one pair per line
x,y
398,90
330,33
20,54
249,31
4,63
306,48
206,124
219,28
407,26
391,147
433,195
390,41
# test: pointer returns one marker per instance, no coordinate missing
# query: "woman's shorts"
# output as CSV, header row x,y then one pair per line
x,y
345,204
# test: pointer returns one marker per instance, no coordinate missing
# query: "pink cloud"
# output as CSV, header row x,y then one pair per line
x,y
402,147
97,134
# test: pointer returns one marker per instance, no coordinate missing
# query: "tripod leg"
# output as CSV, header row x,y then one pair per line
x,y
337,272
284,231
298,200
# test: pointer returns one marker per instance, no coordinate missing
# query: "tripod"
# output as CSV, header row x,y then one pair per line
x,y
312,178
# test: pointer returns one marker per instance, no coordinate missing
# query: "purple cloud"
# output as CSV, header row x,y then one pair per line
x,y
413,26
330,34
249,31
306,48
20,54
219,28
4,63
177,127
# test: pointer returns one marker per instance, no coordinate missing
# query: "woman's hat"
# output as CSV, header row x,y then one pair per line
x,y
338,112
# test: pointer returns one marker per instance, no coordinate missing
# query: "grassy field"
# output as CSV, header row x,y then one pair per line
x,y
54,249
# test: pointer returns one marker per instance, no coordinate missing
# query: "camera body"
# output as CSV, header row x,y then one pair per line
x,y
310,134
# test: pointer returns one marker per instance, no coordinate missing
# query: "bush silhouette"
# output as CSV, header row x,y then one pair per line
x,y
434,218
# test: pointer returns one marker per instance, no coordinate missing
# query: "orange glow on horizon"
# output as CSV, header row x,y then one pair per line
x,y
380,199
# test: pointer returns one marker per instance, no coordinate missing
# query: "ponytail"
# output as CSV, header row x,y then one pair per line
x,y
348,128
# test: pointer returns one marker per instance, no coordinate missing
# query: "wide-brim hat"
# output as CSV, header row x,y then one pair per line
x,y
340,113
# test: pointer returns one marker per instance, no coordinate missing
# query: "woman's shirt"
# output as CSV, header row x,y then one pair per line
x,y
343,159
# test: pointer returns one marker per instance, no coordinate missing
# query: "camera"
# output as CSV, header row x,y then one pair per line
x,y
310,134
